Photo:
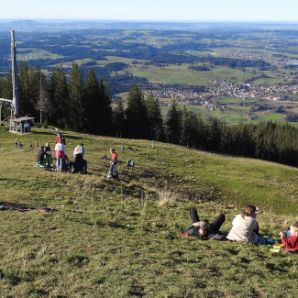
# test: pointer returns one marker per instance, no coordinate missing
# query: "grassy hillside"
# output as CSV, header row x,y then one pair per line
x,y
121,238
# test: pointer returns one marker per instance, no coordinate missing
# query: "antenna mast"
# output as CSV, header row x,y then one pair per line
x,y
15,87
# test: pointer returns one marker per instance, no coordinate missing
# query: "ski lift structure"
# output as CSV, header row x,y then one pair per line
x,y
18,124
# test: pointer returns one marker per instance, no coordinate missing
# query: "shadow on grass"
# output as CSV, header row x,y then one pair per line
x,y
22,207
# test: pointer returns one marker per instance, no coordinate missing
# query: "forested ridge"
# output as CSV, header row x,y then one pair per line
x,y
84,105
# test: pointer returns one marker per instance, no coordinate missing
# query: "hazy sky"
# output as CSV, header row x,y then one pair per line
x,y
168,10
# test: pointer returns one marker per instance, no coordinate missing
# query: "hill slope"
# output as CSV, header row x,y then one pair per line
x,y
121,238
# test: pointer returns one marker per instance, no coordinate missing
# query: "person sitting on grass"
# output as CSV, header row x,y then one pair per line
x,y
289,238
204,230
40,157
246,228
47,156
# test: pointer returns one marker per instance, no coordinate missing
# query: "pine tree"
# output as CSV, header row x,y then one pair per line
x,y
75,118
136,115
105,109
6,92
59,98
7,86
214,138
174,124
97,106
154,118
190,126
119,120
90,103
27,90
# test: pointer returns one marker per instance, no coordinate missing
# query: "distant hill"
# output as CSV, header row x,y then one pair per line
x,y
66,25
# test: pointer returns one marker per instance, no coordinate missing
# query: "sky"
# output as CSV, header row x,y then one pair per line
x,y
152,10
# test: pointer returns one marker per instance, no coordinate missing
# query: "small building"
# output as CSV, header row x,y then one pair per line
x,y
21,124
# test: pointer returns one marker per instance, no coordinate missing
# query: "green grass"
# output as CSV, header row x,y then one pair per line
x,y
111,59
37,54
78,61
236,114
270,116
180,74
121,238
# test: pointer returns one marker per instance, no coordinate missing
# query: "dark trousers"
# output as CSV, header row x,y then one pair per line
x,y
214,226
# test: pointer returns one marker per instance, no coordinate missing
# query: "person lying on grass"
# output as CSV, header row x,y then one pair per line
x,y
204,230
246,228
289,238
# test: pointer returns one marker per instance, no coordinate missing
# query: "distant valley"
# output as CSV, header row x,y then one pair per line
x,y
236,72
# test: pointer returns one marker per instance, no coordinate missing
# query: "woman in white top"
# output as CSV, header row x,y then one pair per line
x,y
245,226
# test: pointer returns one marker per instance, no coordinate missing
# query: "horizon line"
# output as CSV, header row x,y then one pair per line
x,y
153,21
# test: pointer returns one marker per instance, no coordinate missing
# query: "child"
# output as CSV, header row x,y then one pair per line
x,y
290,238
60,139
204,230
113,171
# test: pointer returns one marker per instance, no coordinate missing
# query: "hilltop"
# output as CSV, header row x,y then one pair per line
x,y
121,238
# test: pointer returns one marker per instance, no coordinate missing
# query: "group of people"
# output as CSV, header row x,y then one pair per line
x,y
245,228
63,164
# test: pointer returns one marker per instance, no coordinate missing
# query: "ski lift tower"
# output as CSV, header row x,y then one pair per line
x,y
17,124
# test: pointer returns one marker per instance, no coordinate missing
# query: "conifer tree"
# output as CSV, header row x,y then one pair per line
x,y
190,127
75,119
90,103
136,115
6,92
28,89
6,87
214,137
174,124
105,109
119,120
154,118
97,106
59,98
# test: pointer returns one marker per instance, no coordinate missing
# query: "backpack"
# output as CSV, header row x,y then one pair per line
x,y
131,163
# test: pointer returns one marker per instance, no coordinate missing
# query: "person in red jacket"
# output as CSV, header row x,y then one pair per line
x,y
290,238
113,170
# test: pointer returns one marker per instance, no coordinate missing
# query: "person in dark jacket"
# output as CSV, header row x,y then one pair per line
x,y
204,230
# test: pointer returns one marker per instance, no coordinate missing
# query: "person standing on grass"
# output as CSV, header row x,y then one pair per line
x,y
113,170
204,230
60,139
60,154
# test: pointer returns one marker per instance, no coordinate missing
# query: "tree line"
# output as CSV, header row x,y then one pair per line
x,y
71,102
